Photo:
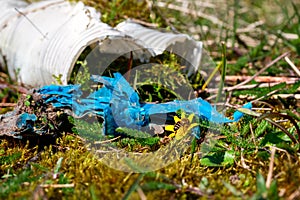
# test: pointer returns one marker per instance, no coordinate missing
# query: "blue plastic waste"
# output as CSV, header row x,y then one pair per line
x,y
25,121
25,124
119,105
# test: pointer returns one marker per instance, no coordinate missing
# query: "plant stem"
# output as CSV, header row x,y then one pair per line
x,y
223,72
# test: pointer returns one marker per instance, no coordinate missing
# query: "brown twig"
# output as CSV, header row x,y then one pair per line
x,y
267,95
246,87
141,193
252,135
294,195
260,71
57,185
17,88
251,27
261,79
189,188
285,96
271,168
147,24
244,165
292,65
107,141
8,104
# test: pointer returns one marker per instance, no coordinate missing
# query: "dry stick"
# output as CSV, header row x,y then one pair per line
x,y
189,188
294,195
245,87
260,79
141,193
228,98
259,72
285,96
250,27
8,104
69,185
292,65
284,151
269,94
107,141
244,165
252,135
271,167
18,88
151,25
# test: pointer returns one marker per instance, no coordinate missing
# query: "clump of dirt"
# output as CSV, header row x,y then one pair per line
x,y
47,125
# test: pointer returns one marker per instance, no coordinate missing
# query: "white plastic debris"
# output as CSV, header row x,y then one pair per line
x,y
41,40
46,38
180,44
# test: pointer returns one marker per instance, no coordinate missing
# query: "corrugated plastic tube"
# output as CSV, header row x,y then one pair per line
x,y
43,39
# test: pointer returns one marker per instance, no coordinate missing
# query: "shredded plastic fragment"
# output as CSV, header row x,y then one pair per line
x,y
119,105
25,121
24,124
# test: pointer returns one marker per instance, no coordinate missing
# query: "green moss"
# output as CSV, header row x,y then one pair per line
x,y
69,162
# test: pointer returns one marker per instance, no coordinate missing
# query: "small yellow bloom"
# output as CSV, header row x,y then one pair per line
x,y
182,126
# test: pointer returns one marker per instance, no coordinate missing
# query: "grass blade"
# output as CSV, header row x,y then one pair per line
x,y
133,187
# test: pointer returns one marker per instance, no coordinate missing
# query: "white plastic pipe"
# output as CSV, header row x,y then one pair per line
x,y
180,44
44,39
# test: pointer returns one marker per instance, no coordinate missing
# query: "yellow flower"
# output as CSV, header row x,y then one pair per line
x,y
182,126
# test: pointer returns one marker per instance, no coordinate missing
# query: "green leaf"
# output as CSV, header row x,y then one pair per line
x,y
273,191
229,158
27,103
58,165
217,159
273,138
261,188
262,126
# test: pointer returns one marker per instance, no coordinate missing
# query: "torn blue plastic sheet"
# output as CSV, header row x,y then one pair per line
x,y
119,104
25,121
25,124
